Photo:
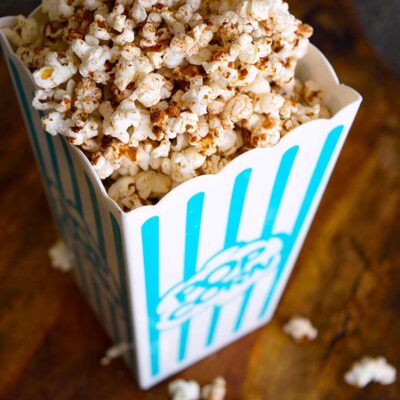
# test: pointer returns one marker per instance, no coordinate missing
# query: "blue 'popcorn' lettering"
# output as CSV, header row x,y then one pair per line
x,y
221,278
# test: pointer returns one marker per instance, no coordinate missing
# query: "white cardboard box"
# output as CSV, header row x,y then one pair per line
x,y
208,264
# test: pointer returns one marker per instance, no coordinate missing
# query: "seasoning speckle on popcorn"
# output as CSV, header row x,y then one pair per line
x,y
159,92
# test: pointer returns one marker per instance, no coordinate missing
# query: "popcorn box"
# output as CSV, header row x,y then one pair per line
x,y
208,263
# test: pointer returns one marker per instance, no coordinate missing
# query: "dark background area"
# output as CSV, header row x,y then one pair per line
x,y
346,280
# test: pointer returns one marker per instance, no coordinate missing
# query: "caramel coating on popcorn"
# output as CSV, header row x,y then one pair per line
x,y
158,92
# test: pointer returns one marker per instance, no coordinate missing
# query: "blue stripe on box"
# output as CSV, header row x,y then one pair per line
x,y
323,162
236,207
99,224
35,141
97,299
28,116
72,173
102,247
81,272
243,308
37,150
278,190
77,204
151,257
123,289
235,214
315,182
193,224
213,326
115,332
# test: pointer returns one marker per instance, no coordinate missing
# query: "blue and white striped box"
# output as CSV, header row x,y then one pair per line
x,y
209,263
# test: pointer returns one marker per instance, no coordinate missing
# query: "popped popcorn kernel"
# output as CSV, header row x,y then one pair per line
x,y
60,257
57,70
24,33
371,370
214,391
300,328
184,390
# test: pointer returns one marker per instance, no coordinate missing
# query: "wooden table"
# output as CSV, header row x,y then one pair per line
x,y
347,279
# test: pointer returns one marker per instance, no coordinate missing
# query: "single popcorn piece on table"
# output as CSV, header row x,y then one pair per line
x,y
300,328
371,370
184,390
214,391
159,93
60,257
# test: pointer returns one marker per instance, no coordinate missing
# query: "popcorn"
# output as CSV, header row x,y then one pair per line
x,y
184,390
143,155
103,167
60,257
93,60
371,370
197,99
25,32
229,142
269,103
149,89
159,93
300,328
56,123
162,150
59,100
99,28
127,35
125,118
185,163
214,164
180,389
152,184
88,96
123,191
138,13
237,108
173,58
214,391
131,67
57,70
58,9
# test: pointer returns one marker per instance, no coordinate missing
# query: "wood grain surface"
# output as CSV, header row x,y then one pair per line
x,y
347,279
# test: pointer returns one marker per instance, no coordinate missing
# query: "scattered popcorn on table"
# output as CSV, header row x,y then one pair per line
x,y
190,390
184,390
371,370
60,257
214,391
162,92
300,328
114,352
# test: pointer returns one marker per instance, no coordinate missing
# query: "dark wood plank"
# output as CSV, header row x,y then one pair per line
x,y
347,279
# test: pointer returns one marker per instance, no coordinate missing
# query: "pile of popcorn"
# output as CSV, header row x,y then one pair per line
x,y
156,92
